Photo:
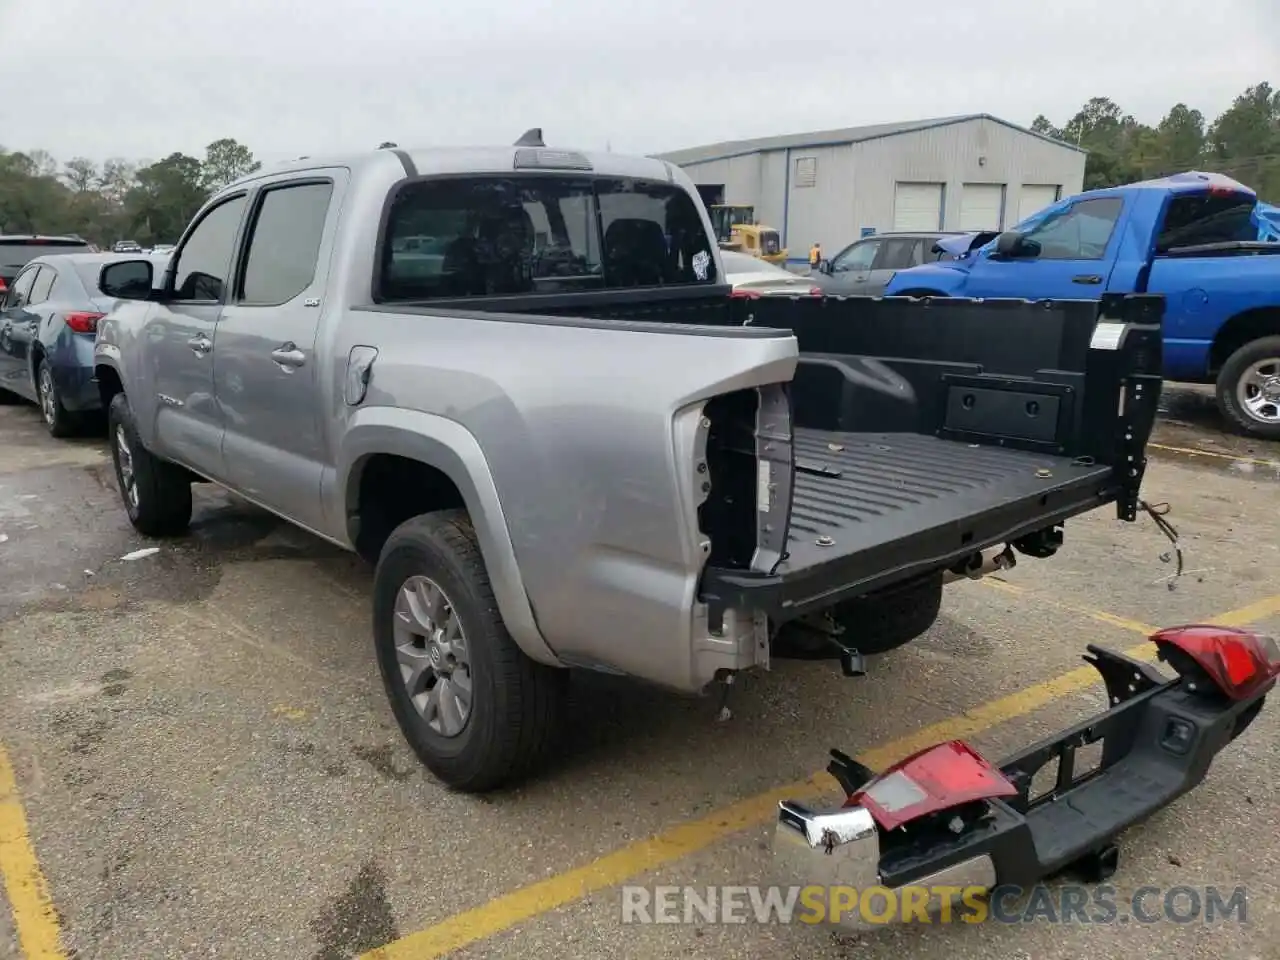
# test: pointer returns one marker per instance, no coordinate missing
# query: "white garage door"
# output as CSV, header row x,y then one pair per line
x,y
1035,197
917,206
981,205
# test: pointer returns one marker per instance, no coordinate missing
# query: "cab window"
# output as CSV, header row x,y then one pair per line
x,y
516,235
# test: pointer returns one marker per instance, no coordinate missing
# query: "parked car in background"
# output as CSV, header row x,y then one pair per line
x,y
48,323
17,250
1191,238
753,277
127,246
162,248
866,266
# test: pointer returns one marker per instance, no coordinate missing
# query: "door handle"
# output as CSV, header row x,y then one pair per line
x,y
200,345
1088,278
288,356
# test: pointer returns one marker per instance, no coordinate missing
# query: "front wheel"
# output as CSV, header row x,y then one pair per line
x,y
156,493
1248,389
476,710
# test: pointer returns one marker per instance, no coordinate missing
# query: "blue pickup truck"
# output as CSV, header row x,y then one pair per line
x,y
1192,237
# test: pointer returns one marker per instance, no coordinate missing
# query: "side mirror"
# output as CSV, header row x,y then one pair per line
x,y
1012,245
128,280
824,266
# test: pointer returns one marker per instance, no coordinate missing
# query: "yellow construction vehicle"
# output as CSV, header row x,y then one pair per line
x,y
736,229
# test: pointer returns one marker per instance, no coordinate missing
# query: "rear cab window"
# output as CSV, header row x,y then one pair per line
x,y
1194,219
512,235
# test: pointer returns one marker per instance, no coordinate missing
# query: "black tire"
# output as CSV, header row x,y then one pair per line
x,y
162,506
876,623
920,294
1229,377
517,705
58,420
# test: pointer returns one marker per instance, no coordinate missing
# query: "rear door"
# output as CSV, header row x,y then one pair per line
x,y
14,318
896,253
1078,242
26,329
266,377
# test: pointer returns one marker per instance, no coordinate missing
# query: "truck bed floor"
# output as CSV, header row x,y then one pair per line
x,y
904,499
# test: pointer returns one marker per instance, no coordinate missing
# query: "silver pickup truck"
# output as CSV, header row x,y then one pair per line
x,y
514,379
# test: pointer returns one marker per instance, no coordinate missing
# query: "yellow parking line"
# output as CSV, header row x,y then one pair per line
x,y
1124,623
504,912
1266,607
34,918
1196,452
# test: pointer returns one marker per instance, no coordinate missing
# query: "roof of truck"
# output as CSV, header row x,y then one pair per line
x,y
1183,182
478,159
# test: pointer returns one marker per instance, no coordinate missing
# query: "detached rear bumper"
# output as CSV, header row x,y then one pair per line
x,y
1158,741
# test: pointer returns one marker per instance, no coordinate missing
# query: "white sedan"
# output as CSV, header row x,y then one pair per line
x,y
752,277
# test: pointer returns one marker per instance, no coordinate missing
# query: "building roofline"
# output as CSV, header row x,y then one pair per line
x,y
730,149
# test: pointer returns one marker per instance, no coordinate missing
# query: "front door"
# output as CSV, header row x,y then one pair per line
x,y
179,341
1077,245
266,375
850,269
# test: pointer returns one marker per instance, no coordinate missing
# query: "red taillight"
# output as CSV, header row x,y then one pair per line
x,y
1239,662
745,294
815,291
83,322
3,285
933,780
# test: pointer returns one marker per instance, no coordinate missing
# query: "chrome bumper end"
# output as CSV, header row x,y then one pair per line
x,y
838,850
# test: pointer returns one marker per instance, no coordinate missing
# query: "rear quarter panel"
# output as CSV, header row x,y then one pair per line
x,y
587,430
1203,294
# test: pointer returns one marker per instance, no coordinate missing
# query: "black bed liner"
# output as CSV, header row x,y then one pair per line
x,y
893,487
873,508
924,432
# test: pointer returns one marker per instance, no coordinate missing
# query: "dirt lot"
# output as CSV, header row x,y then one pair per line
x,y
205,764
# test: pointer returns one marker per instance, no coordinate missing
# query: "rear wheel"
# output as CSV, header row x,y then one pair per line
x,y
1248,389
59,421
156,493
477,711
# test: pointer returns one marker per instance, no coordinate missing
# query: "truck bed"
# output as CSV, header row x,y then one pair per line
x,y
893,486
870,509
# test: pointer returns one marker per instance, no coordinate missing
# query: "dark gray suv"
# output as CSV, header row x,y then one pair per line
x,y
17,250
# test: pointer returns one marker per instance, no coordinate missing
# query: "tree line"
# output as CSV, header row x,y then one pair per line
x,y
1243,142
153,202
117,200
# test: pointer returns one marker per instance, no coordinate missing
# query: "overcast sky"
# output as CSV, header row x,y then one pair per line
x,y
143,78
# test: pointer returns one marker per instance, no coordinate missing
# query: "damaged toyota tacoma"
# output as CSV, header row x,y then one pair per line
x,y
515,380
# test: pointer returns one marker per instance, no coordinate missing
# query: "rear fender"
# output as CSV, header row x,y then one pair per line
x,y
450,448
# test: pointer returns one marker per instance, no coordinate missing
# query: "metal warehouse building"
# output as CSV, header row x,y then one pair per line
x,y
974,172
